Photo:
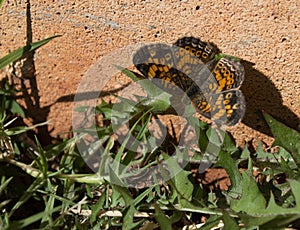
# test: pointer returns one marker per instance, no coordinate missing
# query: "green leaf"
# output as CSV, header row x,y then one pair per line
x,y
183,185
260,153
251,200
225,161
287,169
14,107
128,222
143,195
48,213
124,192
285,137
129,73
229,222
252,210
273,216
19,53
212,222
162,219
42,160
228,144
245,153
157,98
4,184
21,224
295,186
146,84
96,208
22,129
2,110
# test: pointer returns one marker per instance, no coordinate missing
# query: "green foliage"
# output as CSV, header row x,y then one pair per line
x,y
1,2
19,53
7,97
169,201
51,187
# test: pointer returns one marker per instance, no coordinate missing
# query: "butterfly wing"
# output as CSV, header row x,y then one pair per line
x,y
170,68
219,97
190,66
204,51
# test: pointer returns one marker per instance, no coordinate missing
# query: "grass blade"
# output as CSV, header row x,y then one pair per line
x,y
19,53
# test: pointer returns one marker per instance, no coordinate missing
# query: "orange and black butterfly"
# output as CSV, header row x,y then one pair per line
x,y
210,80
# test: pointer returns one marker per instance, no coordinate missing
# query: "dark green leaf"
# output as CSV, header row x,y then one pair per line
x,y
212,222
285,137
251,200
183,185
229,222
225,161
162,219
14,107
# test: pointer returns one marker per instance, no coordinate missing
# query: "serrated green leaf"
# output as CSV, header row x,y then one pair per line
x,y
183,185
19,53
228,144
253,213
288,170
128,222
245,153
96,208
251,199
285,137
272,216
225,161
260,153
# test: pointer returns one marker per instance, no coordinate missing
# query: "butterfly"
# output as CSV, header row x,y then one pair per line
x,y
210,79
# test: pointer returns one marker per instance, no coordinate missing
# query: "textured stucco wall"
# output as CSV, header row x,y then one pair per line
x,y
263,32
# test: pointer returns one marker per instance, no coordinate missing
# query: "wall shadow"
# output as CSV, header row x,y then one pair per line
x,y
31,94
262,95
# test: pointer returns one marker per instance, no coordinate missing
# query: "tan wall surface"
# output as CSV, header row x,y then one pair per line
x,y
263,32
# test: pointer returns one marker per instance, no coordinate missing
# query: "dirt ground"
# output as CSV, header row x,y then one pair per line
x,y
264,33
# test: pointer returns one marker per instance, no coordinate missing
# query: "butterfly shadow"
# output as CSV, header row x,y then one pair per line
x,y
261,95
